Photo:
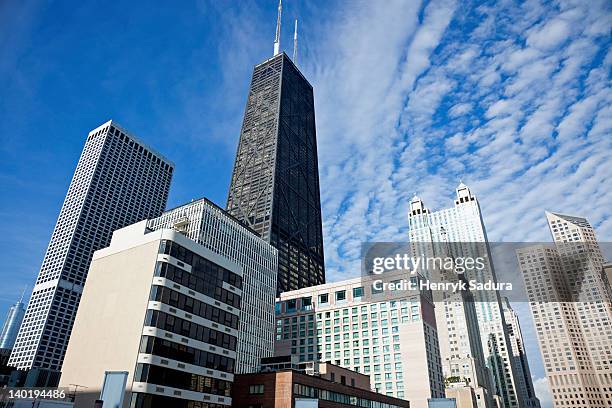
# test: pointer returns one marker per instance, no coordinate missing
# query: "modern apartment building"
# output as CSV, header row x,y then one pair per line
x,y
275,183
164,309
572,310
460,232
210,226
389,335
118,181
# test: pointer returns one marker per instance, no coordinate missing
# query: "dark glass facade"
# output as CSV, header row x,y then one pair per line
x,y
275,182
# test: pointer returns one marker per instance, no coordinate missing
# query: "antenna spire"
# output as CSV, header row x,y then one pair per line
x,y
278,28
295,43
23,294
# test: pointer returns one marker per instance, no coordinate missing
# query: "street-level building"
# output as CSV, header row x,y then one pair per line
x,y
388,335
288,388
164,309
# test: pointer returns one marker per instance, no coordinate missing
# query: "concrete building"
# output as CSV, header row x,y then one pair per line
x,y
165,310
118,181
210,226
460,232
11,325
388,335
572,310
288,388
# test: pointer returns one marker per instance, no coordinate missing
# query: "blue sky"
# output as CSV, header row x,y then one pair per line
x,y
512,97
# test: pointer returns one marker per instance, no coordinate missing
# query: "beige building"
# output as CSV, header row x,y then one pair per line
x,y
165,310
572,312
389,335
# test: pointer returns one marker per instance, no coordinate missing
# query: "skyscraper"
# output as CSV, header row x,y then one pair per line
x,y
572,310
519,354
275,182
11,325
462,229
118,181
210,226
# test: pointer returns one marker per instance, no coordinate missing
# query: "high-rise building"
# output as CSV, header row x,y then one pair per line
x,y
164,310
462,231
572,310
463,361
118,181
11,325
210,226
275,182
519,354
386,334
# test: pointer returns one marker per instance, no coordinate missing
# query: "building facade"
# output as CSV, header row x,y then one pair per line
x,y
210,226
275,182
118,181
519,354
11,325
461,231
388,335
571,306
165,310
290,388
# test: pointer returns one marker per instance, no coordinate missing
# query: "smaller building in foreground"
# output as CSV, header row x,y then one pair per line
x,y
303,388
164,309
388,335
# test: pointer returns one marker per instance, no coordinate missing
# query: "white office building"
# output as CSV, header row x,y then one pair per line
x,y
162,309
461,231
118,181
212,227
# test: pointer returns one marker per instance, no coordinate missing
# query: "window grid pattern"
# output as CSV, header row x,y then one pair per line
x,y
275,183
212,227
118,181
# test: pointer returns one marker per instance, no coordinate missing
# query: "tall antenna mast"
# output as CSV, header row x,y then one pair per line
x,y
278,28
295,43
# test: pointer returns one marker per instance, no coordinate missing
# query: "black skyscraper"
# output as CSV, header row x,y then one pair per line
x,y
275,183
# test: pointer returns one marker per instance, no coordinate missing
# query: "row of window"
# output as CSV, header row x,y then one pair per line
x,y
212,289
140,400
191,305
326,395
169,377
200,266
185,354
173,324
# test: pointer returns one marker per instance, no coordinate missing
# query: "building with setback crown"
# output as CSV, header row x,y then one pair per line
x,y
210,226
118,181
571,304
461,229
275,182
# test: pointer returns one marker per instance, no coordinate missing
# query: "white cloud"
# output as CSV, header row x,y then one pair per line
x,y
543,393
551,35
